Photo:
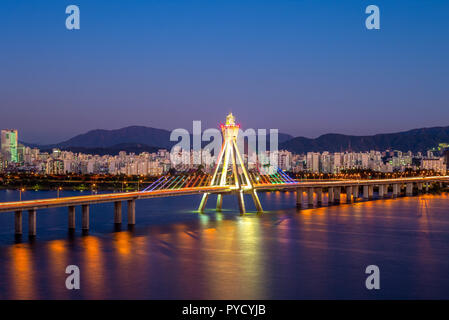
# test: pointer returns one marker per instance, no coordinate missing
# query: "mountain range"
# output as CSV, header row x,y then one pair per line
x,y
131,139
139,138
413,140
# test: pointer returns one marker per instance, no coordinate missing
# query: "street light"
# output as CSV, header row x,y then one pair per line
x,y
20,193
138,184
59,189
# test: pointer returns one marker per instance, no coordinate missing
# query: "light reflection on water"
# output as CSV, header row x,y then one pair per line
x,y
176,253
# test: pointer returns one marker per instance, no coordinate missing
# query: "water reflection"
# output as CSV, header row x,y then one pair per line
x,y
93,267
21,272
284,253
57,263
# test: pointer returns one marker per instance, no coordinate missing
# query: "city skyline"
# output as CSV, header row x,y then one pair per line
x,y
214,156
303,67
16,157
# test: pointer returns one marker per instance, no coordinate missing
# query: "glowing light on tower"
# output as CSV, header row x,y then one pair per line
x,y
227,159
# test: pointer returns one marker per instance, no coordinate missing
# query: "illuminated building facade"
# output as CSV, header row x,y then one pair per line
x,y
9,145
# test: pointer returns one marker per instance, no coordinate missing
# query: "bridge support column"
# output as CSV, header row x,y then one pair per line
x,y
395,190
409,189
400,187
71,217
355,192
117,212
427,186
337,193
131,212
348,194
366,192
299,192
370,191
310,197
256,201
385,190
381,190
319,196
203,202
219,202
85,217
18,222
419,184
32,222
330,197
241,202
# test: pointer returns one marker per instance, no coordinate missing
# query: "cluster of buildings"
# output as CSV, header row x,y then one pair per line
x,y
17,157
385,161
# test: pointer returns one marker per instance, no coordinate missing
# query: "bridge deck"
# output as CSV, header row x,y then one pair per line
x,y
111,197
102,198
344,183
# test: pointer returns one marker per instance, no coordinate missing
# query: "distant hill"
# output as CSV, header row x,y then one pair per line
x,y
413,140
282,137
128,138
135,138
107,138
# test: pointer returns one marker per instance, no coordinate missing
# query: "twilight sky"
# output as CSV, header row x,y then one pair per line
x,y
305,67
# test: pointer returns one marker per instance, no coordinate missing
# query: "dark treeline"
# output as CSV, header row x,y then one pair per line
x,y
74,181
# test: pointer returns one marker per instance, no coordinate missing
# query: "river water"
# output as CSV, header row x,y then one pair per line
x,y
175,253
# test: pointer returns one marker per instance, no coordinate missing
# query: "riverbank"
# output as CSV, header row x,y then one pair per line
x,y
74,182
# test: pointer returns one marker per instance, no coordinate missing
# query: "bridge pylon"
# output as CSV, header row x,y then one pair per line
x,y
230,172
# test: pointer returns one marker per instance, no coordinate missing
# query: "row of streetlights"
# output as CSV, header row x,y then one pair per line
x,y
21,190
94,185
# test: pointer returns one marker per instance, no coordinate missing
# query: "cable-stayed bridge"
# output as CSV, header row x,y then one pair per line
x,y
230,177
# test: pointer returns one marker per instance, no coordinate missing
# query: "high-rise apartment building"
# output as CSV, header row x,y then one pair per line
x,y
9,145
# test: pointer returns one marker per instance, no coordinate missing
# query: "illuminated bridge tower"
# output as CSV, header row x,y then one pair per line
x,y
229,171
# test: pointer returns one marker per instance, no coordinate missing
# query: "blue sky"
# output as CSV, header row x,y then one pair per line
x,y
304,67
